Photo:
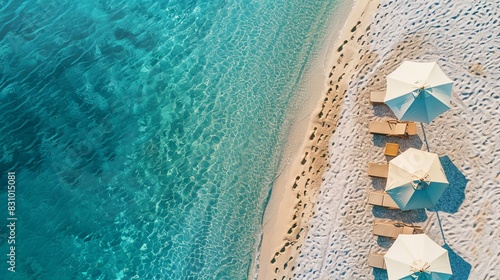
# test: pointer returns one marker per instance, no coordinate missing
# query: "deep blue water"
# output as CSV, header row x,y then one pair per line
x,y
145,135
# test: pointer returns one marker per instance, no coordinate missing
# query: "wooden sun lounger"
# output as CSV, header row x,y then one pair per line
x,y
393,128
382,199
376,260
393,229
391,149
378,170
377,96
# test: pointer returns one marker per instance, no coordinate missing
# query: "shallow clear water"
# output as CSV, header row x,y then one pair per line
x,y
145,135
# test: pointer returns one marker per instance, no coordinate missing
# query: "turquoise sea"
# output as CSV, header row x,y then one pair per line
x,y
145,135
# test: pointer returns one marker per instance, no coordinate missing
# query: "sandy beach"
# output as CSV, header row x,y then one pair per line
x,y
318,222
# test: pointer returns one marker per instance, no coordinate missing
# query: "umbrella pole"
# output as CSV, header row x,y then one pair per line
x,y
440,226
425,137
435,210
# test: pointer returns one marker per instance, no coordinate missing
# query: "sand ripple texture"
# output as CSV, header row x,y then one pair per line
x,y
463,37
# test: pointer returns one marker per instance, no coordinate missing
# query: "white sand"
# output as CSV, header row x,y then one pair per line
x,y
463,37
335,242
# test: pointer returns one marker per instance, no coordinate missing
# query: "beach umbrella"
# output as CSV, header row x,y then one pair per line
x,y
416,256
418,91
416,179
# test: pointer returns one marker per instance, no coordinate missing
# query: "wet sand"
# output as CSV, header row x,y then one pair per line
x,y
294,194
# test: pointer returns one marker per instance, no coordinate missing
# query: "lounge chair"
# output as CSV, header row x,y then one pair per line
x,y
383,199
391,149
393,229
376,260
377,96
393,128
378,170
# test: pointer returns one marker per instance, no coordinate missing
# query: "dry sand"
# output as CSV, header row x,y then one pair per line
x,y
319,223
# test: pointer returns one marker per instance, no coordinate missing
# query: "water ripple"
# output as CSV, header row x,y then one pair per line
x,y
146,134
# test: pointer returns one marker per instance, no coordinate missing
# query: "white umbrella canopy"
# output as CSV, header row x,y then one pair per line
x,y
418,91
416,256
416,179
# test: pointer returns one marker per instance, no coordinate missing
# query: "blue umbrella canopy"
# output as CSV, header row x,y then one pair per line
x,y
416,179
418,91
417,257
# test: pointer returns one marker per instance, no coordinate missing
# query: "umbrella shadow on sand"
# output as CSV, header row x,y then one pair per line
x,y
380,274
454,195
409,217
459,267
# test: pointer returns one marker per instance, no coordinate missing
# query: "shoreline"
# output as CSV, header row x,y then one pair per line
x,y
293,197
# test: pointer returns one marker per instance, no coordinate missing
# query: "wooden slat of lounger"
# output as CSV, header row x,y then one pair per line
x,y
380,127
389,202
377,96
411,128
408,230
393,128
376,198
391,149
378,170
386,229
392,230
400,129
376,260
383,199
